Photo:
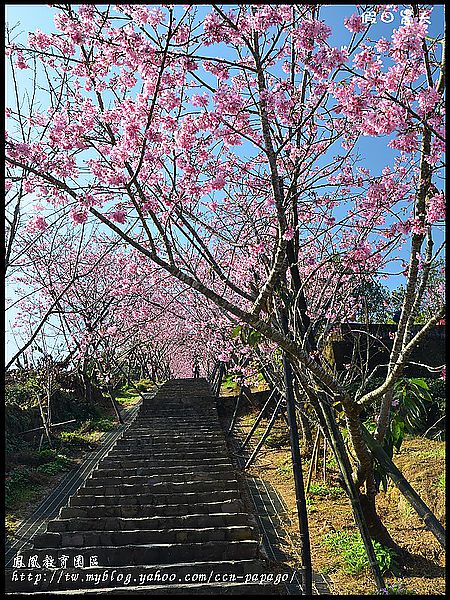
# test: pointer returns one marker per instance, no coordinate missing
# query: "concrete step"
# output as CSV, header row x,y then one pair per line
x,y
165,496
186,438
148,523
151,554
82,539
159,574
160,454
136,510
192,420
156,422
164,437
217,589
158,478
221,469
158,487
115,462
155,499
188,423
186,443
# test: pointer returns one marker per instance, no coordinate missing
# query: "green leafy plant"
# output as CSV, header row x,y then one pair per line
x,y
311,507
16,481
247,335
75,439
103,425
332,463
408,414
353,553
60,463
47,455
285,469
326,491
412,395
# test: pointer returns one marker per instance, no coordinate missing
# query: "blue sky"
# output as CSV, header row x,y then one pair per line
x,y
32,17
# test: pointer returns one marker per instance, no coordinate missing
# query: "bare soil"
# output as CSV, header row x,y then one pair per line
x,y
421,460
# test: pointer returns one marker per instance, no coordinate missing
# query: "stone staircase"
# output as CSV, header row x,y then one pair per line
x,y
161,514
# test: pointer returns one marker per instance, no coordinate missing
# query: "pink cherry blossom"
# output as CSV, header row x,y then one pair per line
x,y
355,23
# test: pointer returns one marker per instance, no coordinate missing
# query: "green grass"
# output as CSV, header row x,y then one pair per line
x,y
30,471
143,385
435,453
228,383
22,485
326,491
104,424
129,395
441,481
332,463
285,469
77,439
350,548
310,506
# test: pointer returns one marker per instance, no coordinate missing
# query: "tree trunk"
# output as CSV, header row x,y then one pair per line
x,y
365,478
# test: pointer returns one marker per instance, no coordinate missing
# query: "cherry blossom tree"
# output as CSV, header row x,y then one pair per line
x,y
222,145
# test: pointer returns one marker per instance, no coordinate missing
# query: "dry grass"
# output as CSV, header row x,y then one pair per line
x,y
423,463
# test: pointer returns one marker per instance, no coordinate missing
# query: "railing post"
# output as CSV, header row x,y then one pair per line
x,y
257,421
219,378
298,479
266,433
235,413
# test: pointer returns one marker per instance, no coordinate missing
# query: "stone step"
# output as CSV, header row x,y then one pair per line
x,y
115,462
158,487
165,496
158,574
199,403
170,451
181,417
82,539
221,469
168,444
159,452
147,424
152,479
151,554
148,523
217,589
162,438
165,510
158,430
155,438
155,499
160,422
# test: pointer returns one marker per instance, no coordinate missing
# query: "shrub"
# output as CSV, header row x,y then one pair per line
x,y
46,455
103,425
15,482
60,463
